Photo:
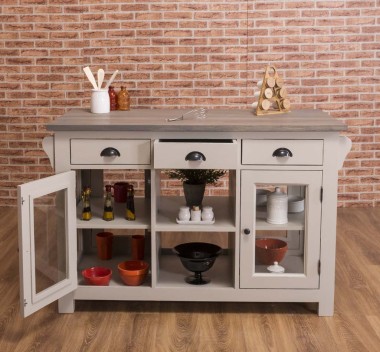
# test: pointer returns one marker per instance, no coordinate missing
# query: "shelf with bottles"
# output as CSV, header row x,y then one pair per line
x,y
172,273
142,210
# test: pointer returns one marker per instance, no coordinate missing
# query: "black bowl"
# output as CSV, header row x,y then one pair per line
x,y
197,257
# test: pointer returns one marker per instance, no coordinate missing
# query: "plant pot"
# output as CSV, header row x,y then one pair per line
x,y
194,193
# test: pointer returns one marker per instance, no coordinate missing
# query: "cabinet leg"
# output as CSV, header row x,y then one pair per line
x,y
66,304
326,309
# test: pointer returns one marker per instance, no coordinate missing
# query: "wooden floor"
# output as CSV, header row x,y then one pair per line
x,y
151,327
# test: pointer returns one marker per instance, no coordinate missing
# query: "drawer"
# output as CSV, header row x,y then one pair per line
x,y
110,151
289,151
193,154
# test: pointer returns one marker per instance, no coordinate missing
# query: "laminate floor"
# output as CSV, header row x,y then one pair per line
x,y
175,326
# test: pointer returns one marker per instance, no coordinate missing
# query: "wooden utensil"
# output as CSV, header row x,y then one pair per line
x,y
90,77
100,78
111,79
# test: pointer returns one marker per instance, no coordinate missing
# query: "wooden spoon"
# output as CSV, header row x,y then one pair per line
x,y
90,77
111,79
100,77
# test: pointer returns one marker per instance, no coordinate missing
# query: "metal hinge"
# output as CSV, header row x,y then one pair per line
x,y
25,303
22,201
321,196
319,267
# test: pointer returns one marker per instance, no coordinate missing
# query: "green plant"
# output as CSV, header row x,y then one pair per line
x,y
196,177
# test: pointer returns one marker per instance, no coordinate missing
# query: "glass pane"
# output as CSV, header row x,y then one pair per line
x,y
280,228
50,240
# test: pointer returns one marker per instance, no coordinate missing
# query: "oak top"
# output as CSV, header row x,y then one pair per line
x,y
217,120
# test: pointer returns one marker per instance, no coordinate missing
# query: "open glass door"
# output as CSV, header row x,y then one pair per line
x,y
47,240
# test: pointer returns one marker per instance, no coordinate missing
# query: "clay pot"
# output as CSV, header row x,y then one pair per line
x,y
270,250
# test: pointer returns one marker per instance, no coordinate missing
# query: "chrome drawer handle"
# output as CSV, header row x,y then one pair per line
x,y
110,152
282,152
195,156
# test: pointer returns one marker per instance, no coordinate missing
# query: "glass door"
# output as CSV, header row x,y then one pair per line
x,y
280,235
47,240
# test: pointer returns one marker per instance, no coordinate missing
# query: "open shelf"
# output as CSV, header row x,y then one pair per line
x,y
222,207
293,264
173,274
142,208
296,221
88,261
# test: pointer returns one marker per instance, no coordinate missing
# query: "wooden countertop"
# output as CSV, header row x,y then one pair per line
x,y
217,120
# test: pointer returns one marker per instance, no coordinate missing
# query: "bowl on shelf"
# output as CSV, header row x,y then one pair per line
x,y
296,204
97,275
197,257
133,272
270,250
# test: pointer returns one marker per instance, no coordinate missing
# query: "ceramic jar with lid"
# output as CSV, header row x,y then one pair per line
x,y
207,213
277,207
184,213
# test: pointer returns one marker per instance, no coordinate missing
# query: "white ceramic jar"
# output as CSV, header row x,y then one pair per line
x,y
195,214
100,101
207,213
184,213
277,207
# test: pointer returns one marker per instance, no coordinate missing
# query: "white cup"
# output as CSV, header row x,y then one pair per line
x,y
195,215
100,101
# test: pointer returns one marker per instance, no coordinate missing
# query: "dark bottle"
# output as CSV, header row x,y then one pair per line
x,y
86,211
130,208
113,98
123,99
108,213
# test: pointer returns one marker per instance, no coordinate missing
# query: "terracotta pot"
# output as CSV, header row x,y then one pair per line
x,y
104,245
270,250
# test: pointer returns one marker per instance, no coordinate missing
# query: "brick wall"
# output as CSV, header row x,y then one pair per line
x,y
189,53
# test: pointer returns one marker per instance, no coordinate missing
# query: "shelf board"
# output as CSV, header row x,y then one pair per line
x,y
293,264
223,209
173,274
296,221
142,208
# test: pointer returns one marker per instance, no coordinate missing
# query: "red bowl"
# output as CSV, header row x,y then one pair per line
x,y
133,272
97,275
270,250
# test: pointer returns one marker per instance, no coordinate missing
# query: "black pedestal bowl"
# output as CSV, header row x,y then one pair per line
x,y
197,257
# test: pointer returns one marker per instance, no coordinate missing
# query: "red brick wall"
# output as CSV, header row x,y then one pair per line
x,y
182,54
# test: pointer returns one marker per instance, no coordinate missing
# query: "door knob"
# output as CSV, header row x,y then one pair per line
x,y
247,231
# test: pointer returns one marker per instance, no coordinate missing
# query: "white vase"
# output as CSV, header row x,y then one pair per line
x,y
207,214
100,101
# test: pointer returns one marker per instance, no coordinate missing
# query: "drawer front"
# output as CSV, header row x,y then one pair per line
x,y
110,151
207,155
290,152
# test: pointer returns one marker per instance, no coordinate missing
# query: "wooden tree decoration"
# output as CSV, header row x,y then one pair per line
x,y
272,97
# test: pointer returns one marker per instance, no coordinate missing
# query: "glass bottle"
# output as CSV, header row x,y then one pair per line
x,y
123,99
108,213
86,211
130,207
113,98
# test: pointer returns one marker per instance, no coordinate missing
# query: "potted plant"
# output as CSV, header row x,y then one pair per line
x,y
195,181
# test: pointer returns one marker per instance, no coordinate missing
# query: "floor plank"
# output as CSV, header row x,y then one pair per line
x,y
199,326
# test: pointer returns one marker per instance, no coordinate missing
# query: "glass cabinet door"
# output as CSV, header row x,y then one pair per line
x,y
47,240
280,247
